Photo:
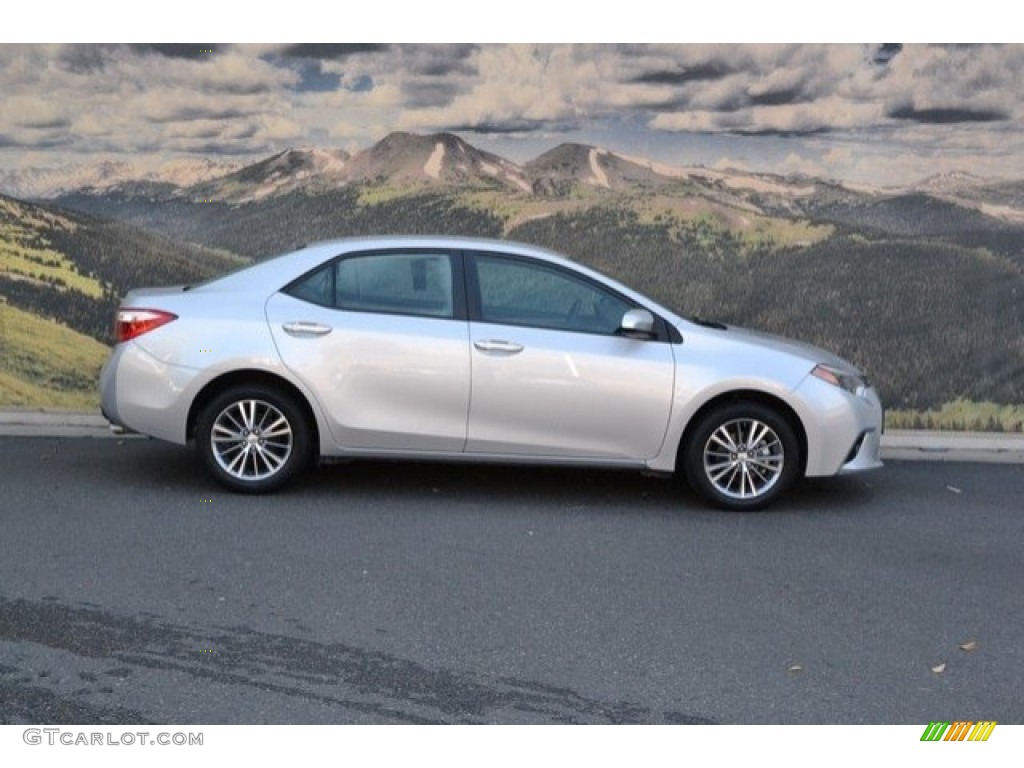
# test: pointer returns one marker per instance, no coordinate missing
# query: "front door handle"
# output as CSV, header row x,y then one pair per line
x,y
498,347
305,329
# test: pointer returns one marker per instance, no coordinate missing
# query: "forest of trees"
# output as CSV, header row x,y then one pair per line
x,y
286,222
929,321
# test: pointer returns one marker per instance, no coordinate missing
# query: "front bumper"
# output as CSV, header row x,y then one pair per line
x,y
865,454
843,430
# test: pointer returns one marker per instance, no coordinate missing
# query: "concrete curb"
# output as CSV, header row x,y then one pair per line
x,y
37,422
912,445
921,445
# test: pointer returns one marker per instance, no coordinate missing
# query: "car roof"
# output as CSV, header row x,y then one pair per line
x,y
453,242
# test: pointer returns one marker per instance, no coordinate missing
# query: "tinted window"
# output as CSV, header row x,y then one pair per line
x,y
407,283
403,283
316,287
523,293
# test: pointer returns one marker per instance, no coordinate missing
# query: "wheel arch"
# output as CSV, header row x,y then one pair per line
x,y
745,395
225,381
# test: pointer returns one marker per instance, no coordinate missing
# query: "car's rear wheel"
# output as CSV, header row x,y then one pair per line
x,y
253,439
742,456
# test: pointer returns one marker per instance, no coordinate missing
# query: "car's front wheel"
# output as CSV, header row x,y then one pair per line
x,y
742,456
253,439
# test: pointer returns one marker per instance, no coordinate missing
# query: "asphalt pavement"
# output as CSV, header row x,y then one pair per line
x,y
133,590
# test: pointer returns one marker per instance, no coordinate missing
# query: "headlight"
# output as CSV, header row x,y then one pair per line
x,y
853,383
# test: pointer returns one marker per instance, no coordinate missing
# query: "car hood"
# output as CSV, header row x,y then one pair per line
x,y
799,349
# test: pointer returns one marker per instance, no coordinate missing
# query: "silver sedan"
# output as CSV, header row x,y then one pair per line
x,y
475,350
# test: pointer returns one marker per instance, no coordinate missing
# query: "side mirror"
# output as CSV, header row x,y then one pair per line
x,y
637,324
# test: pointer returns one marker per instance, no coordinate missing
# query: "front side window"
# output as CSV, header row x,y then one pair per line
x,y
396,283
517,292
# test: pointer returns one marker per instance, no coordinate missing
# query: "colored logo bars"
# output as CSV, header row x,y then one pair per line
x,y
961,730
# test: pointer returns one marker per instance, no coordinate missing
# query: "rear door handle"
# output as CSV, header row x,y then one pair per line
x,y
305,329
498,347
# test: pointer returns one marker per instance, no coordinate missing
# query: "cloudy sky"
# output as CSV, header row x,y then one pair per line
x,y
878,113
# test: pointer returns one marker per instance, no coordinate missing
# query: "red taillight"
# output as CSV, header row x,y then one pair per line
x,y
135,322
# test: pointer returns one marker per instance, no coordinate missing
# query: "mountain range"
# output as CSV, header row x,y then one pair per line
x,y
903,281
446,160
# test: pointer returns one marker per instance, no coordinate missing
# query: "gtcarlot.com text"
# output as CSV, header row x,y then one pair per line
x,y
72,738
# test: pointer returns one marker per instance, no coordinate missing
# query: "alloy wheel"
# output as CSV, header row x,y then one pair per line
x,y
251,440
744,458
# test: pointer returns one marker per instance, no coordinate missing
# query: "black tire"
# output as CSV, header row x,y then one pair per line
x,y
253,438
726,471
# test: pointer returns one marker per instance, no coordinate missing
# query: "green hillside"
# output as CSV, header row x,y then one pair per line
x,y
46,364
73,267
284,222
925,296
61,277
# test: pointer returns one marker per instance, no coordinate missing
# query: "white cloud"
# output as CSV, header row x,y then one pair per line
x,y
516,83
800,164
925,105
35,111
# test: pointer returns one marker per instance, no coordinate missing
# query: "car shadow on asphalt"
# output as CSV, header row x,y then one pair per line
x,y
167,467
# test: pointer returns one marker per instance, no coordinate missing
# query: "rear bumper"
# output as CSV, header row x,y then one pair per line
x,y
108,388
140,393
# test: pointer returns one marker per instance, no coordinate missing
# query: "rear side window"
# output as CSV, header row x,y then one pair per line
x,y
316,287
395,283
